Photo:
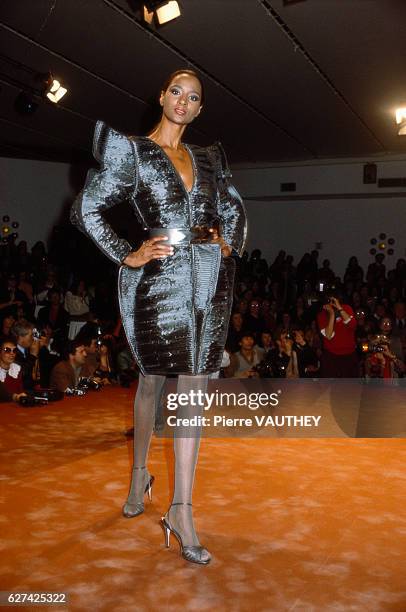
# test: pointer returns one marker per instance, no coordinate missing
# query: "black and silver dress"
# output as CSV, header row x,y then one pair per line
x,y
175,310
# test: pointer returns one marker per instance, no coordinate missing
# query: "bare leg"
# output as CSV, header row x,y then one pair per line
x,y
148,395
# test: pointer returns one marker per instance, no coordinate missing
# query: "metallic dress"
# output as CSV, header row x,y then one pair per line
x,y
175,310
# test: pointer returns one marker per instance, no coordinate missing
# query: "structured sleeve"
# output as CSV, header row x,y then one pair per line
x,y
229,202
111,184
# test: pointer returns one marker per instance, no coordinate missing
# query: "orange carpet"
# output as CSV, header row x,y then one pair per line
x,y
292,524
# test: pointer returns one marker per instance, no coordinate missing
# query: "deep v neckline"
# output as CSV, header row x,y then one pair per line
x,y
192,161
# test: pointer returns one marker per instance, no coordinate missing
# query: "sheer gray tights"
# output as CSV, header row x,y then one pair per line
x,y
186,449
148,396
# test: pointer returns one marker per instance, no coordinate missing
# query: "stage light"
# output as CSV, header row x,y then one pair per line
x,y
55,91
168,12
400,115
163,10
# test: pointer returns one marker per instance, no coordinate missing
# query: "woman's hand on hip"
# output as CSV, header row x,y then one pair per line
x,y
217,239
149,250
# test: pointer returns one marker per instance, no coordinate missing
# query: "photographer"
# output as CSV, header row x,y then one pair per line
x,y
385,357
281,361
337,325
66,374
97,349
27,352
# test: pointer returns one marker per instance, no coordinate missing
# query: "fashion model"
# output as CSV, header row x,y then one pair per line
x,y
175,290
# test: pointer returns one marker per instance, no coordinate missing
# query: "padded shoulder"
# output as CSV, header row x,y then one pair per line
x,y
108,144
219,160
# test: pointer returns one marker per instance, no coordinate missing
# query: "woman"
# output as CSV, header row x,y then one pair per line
x,y
175,290
77,300
10,372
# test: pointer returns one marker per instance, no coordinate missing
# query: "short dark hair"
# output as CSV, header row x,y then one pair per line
x,y
70,348
247,335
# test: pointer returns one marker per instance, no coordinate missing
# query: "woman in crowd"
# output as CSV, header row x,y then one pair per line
x,y
10,372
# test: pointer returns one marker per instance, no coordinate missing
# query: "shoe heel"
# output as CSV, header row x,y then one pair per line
x,y
167,532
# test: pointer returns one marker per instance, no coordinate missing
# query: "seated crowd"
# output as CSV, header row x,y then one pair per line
x,y
287,322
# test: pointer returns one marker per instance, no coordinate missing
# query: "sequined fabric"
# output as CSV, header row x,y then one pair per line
x,y
176,310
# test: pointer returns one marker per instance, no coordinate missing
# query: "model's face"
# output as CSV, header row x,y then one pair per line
x,y
181,102
7,354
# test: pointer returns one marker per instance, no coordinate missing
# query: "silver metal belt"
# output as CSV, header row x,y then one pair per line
x,y
180,235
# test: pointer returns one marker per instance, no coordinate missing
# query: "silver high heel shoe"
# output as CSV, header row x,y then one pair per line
x,y
194,554
130,510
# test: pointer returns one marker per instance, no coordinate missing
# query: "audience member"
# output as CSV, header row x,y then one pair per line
x,y
243,362
264,298
77,301
337,325
67,373
27,353
10,372
306,357
54,314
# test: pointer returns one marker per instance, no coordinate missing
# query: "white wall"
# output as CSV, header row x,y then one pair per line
x,y
332,210
36,194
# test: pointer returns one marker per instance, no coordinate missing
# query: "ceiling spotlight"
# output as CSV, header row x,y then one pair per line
x,y
401,120
55,91
168,12
164,10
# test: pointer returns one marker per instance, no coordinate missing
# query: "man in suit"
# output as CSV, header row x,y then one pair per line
x,y
27,352
66,374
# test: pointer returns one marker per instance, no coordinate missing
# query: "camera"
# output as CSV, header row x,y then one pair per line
x,y
378,344
263,369
28,401
40,397
77,392
89,384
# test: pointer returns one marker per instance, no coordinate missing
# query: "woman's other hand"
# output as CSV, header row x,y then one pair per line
x,y
149,250
217,239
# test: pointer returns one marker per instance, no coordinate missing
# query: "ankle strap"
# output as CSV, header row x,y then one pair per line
x,y
181,504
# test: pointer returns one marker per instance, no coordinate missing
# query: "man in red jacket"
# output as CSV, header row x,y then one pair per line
x,y
337,325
